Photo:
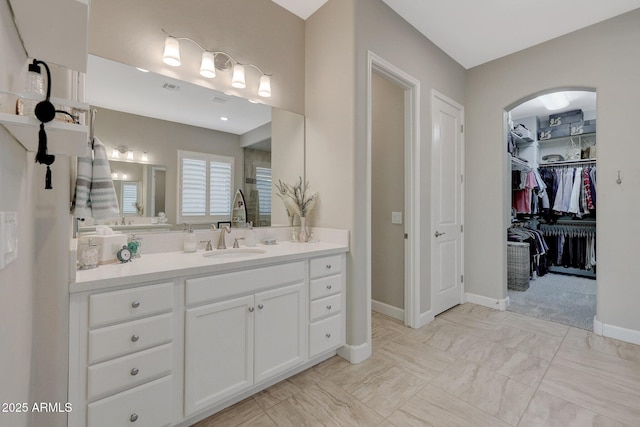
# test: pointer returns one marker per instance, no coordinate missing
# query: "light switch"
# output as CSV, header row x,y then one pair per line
x,y
396,217
8,237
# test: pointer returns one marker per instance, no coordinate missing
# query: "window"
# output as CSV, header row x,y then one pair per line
x,y
263,183
129,198
206,184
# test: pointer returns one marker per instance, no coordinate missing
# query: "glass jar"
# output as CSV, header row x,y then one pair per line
x,y
33,89
89,255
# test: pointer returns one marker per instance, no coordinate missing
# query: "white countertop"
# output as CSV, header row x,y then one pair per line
x,y
170,265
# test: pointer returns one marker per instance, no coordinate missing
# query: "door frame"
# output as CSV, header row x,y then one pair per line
x,y
412,165
443,98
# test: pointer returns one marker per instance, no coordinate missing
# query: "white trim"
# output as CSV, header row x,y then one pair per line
x,y
355,353
388,310
498,304
616,332
412,187
426,318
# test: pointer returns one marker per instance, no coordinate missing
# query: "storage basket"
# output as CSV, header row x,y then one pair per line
x,y
518,268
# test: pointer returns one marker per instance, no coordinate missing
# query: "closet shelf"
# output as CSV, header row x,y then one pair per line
x,y
519,140
566,138
520,165
568,162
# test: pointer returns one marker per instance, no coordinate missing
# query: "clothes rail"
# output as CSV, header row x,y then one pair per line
x,y
569,163
574,230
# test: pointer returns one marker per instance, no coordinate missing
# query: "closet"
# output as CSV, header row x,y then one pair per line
x,y
552,237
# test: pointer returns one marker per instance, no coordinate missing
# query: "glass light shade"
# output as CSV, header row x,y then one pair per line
x,y
554,101
238,77
124,176
145,158
130,155
207,66
115,154
114,175
265,86
171,52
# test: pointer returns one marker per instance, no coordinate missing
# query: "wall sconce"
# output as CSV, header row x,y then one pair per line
x,y
144,157
130,155
215,60
121,149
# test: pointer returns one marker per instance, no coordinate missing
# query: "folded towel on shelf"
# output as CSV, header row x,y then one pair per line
x,y
95,194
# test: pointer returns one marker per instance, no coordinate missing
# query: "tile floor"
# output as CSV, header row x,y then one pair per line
x,y
472,366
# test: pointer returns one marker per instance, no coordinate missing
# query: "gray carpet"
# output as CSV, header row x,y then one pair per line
x,y
559,298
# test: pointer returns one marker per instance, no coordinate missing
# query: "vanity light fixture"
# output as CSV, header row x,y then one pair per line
x,y
212,60
145,158
130,155
115,154
554,101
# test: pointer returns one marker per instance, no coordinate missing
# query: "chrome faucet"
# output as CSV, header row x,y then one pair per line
x,y
221,242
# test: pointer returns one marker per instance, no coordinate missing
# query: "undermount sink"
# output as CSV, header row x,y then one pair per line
x,y
233,253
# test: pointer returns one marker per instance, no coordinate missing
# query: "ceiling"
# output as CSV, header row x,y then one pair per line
x,y
578,100
474,32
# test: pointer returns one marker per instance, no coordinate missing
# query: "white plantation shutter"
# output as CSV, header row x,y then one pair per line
x,y
194,187
220,187
129,198
206,185
263,183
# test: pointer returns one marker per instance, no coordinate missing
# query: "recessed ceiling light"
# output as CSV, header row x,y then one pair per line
x,y
224,119
554,101
142,69
253,101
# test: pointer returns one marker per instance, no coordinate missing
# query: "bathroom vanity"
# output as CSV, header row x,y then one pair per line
x,y
172,338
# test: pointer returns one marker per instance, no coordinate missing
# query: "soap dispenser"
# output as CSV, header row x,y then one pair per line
x,y
190,241
250,235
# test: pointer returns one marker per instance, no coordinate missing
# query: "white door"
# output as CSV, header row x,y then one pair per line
x,y
281,330
446,211
218,352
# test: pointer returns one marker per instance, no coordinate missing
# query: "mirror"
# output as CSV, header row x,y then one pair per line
x,y
140,188
146,113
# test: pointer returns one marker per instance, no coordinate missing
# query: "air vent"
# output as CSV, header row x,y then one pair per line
x,y
171,87
220,99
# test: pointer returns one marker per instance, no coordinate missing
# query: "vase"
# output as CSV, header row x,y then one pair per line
x,y
303,236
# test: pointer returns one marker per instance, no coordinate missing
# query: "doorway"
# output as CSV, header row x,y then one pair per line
x,y
551,259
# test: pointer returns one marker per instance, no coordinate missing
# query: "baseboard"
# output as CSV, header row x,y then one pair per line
x,y
388,310
616,332
498,304
355,353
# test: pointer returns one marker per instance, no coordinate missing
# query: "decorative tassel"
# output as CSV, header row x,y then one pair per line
x,y
42,145
47,182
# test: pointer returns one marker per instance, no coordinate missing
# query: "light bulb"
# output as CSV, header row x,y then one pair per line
x,y
124,176
238,77
130,155
114,175
265,86
171,54
554,101
207,66
145,158
115,154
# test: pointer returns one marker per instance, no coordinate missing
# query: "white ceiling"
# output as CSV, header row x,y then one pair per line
x,y
578,100
477,31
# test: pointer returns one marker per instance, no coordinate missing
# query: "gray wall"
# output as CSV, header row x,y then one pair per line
x,y
387,192
252,31
162,140
604,57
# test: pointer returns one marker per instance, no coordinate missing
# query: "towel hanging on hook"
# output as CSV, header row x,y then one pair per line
x,y
92,126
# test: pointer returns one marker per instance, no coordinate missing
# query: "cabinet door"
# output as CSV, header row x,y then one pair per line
x,y
218,352
281,332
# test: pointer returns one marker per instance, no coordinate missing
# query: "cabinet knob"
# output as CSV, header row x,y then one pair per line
x,y
135,338
328,266
135,371
260,306
328,335
328,286
328,307
251,309
133,418
135,304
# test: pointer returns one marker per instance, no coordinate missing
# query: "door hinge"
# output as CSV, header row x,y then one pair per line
x,y
461,228
461,128
462,278
406,236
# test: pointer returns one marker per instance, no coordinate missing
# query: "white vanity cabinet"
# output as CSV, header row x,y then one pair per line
x,y
326,294
238,341
121,357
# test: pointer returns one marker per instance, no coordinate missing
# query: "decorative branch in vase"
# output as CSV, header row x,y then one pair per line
x,y
297,201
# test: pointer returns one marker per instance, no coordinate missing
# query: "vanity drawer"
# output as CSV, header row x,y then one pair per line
x,y
325,306
211,288
128,371
118,340
320,288
149,405
320,267
325,335
128,304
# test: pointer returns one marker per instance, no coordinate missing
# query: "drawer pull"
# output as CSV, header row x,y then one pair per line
x,y
328,307
251,309
134,372
328,286
260,306
135,338
328,266
135,304
133,418
328,335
